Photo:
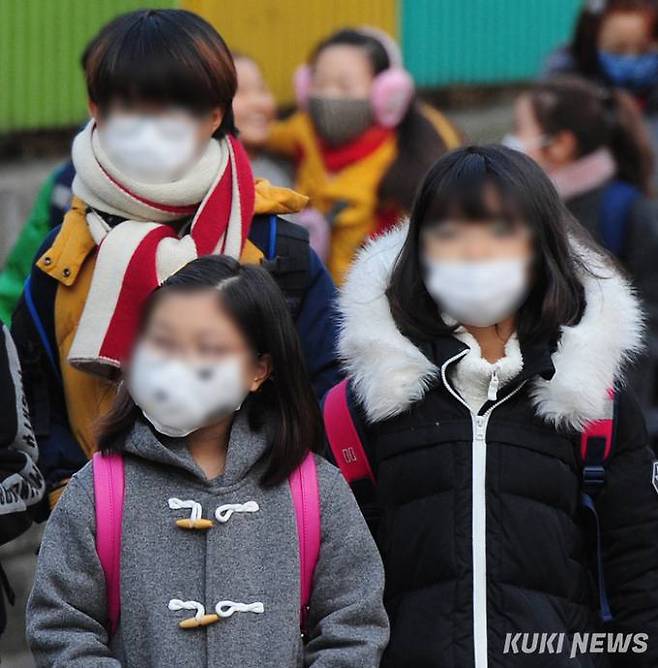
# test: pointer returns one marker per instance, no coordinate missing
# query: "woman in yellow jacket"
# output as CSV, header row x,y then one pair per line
x,y
361,141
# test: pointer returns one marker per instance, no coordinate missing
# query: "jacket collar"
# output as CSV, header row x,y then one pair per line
x,y
537,357
569,382
587,173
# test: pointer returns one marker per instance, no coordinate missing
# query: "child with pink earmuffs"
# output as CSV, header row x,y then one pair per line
x,y
361,140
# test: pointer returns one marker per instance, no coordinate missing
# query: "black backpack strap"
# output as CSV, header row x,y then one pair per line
x,y
287,258
596,445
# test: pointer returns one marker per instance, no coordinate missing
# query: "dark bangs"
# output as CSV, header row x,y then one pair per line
x,y
168,56
472,192
492,183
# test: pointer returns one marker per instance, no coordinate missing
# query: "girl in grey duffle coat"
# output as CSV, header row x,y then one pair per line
x,y
214,415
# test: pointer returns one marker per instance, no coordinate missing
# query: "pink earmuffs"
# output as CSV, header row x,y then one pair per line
x,y
392,90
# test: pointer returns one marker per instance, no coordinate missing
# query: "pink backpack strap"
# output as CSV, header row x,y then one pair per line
x,y
109,480
306,499
344,441
599,434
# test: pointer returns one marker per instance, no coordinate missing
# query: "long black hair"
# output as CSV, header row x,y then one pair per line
x,y
165,56
418,142
598,117
285,404
458,187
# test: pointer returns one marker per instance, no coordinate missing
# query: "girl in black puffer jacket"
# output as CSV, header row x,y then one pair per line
x,y
481,341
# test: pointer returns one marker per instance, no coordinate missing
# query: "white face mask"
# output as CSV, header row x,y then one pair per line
x,y
178,397
479,294
150,149
517,144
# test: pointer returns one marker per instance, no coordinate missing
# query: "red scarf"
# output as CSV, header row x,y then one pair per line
x,y
336,158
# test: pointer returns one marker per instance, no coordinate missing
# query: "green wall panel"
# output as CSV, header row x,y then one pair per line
x,y
481,41
41,84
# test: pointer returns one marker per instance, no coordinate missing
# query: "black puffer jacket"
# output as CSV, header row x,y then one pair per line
x,y
478,517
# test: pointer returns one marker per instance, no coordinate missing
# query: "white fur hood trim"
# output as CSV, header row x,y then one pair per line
x,y
389,373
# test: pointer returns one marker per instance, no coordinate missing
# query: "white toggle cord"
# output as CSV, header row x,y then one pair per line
x,y
176,504
223,513
227,608
177,604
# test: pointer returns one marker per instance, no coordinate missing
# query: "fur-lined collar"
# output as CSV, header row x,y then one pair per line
x,y
389,373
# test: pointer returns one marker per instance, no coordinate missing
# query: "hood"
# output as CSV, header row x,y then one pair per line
x,y
389,373
245,450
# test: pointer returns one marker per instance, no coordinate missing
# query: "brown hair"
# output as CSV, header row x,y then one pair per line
x,y
165,56
597,117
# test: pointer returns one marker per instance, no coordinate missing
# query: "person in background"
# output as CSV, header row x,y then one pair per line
x,y
593,144
22,486
615,44
254,109
480,340
216,409
160,178
361,139
52,202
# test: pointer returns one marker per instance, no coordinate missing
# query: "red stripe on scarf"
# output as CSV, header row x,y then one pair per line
x,y
139,280
168,208
212,221
245,186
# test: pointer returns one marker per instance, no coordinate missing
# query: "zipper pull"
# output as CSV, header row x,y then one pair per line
x,y
479,428
492,393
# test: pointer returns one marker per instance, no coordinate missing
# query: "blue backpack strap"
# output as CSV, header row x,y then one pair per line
x,y
39,326
273,223
596,446
616,203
